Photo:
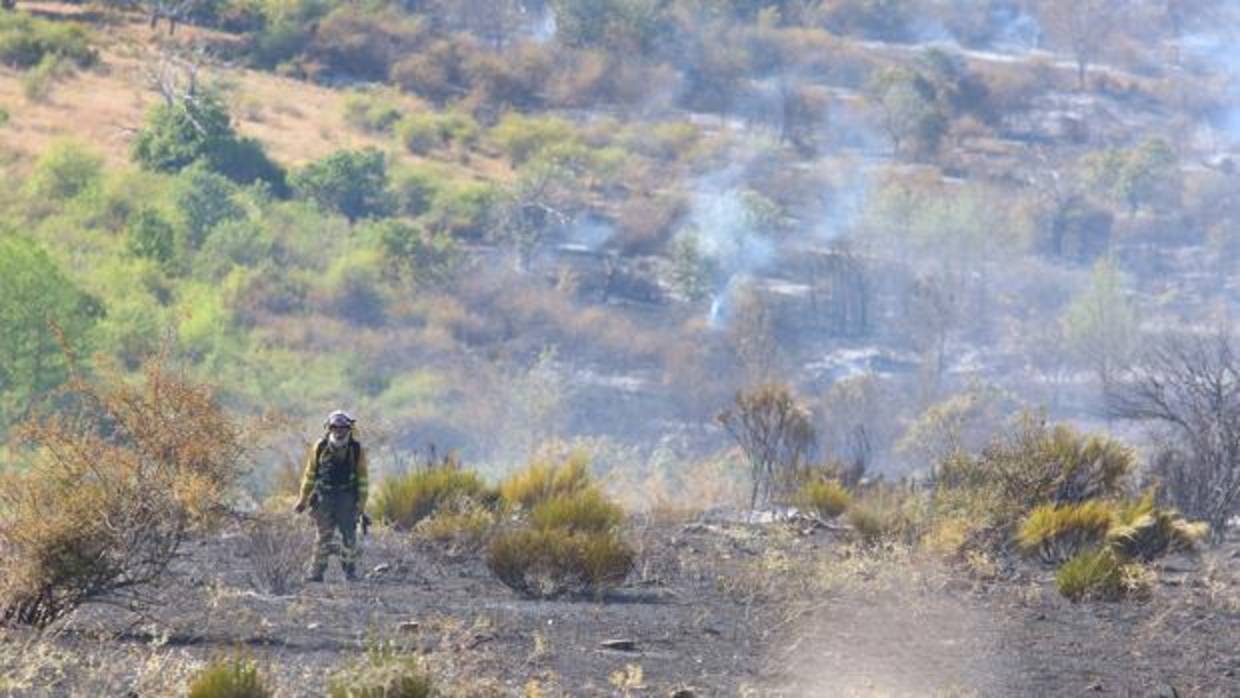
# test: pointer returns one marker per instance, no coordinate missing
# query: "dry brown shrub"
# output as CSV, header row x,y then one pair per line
x,y
115,483
646,222
274,545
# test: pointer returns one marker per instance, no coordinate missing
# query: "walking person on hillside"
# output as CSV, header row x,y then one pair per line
x,y
334,488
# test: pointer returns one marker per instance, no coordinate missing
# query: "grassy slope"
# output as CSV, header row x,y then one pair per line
x,y
297,121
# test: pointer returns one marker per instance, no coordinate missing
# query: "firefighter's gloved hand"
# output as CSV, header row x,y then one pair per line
x,y
300,506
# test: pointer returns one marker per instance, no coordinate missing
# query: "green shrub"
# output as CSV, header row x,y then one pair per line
x,y
404,500
522,137
25,41
384,672
544,479
581,511
205,199
1059,532
63,171
1095,575
414,190
464,209
421,132
229,677
350,182
549,562
826,498
152,237
415,255
4,117
373,113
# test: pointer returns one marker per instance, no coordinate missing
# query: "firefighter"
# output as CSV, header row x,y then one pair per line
x,y
333,486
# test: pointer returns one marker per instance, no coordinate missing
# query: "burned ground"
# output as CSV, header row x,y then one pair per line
x,y
714,608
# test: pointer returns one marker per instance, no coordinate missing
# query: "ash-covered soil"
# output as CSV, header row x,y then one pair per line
x,y
714,608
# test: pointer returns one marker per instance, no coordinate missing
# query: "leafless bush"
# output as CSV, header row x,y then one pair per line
x,y
1191,387
275,546
775,433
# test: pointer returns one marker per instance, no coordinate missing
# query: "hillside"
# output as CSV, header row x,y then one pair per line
x,y
888,346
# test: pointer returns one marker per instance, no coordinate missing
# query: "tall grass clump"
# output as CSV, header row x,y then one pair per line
x,y
384,672
229,677
544,478
1098,575
821,497
1057,533
404,500
567,541
1142,531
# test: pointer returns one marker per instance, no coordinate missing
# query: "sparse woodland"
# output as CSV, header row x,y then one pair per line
x,y
785,347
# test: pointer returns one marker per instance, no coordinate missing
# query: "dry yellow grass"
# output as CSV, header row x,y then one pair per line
x,y
297,121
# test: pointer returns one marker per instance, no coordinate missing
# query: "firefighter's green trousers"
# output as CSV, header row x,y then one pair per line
x,y
336,511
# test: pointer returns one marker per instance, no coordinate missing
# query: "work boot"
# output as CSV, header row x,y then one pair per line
x,y
315,575
350,572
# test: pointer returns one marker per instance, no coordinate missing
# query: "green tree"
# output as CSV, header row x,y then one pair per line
x,y
353,183
39,308
1100,325
632,24
416,255
198,128
205,199
151,236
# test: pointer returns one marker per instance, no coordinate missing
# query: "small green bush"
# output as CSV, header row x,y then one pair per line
x,y
826,498
372,113
384,672
421,132
523,137
4,117
1092,575
25,41
464,209
544,479
229,677
63,171
545,563
404,500
1059,532
414,189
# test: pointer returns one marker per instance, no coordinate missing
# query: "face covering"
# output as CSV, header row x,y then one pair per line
x,y
336,440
